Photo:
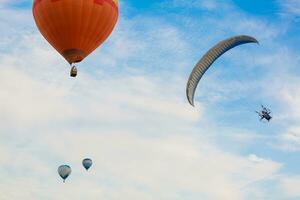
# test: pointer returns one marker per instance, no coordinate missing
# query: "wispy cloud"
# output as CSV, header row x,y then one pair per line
x,y
290,140
206,4
290,7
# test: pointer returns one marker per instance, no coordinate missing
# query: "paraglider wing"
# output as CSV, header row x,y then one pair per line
x,y
209,58
87,163
64,171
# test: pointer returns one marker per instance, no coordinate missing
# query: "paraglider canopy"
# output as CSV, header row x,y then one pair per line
x,y
87,163
209,58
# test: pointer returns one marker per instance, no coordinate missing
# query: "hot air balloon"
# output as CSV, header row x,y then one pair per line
x,y
75,28
209,58
87,163
64,171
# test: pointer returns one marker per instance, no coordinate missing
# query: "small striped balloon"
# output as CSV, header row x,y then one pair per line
x,y
87,163
64,171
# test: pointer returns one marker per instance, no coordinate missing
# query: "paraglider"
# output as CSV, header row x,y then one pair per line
x,y
64,171
75,28
265,113
209,58
87,163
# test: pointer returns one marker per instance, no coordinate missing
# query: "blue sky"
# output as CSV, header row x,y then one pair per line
x,y
127,109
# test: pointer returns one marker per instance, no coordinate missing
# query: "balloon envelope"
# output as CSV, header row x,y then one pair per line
x,y
75,27
87,163
64,171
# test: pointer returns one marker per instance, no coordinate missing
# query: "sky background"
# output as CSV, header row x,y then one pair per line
x,y
127,109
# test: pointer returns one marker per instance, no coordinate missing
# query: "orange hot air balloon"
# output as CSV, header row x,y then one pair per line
x,y
75,28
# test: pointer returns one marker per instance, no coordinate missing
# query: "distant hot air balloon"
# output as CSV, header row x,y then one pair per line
x,y
87,163
209,58
75,28
64,171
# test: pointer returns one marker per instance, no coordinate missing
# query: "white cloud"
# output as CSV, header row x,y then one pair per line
x,y
290,185
255,158
148,167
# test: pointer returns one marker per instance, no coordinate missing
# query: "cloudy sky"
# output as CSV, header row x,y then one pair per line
x,y
127,108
